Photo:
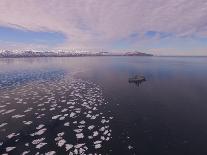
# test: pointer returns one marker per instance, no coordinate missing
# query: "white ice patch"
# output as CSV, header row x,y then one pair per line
x,y
12,135
61,118
72,114
82,122
37,141
68,146
8,149
40,126
64,110
79,145
61,142
95,133
25,152
40,145
97,142
2,106
67,124
40,132
60,134
3,124
78,130
27,122
80,135
91,127
9,111
130,147
97,146
55,117
50,153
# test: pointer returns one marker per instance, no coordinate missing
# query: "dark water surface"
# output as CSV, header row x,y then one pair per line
x,y
85,105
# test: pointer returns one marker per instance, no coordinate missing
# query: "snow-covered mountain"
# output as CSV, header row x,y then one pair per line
x,y
74,53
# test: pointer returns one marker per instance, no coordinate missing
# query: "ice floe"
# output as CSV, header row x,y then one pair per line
x,y
69,108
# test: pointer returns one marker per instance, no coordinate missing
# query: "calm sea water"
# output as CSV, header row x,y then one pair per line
x,y
85,105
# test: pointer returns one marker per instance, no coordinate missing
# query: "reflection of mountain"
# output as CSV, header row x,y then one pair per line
x,y
18,78
31,53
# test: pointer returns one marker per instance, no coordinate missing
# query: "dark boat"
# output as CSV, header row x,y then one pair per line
x,y
137,79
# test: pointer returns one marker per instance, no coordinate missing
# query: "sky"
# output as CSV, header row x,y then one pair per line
x,y
160,27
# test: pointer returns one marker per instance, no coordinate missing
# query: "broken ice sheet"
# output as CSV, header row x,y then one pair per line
x,y
79,113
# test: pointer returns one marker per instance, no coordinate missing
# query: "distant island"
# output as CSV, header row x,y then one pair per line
x,y
31,53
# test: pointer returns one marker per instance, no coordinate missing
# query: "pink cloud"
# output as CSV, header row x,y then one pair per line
x,y
91,23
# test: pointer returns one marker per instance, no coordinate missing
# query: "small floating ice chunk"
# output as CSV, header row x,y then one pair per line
x,y
37,141
91,127
72,114
61,118
3,124
67,124
64,110
71,107
130,147
88,115
1,111
60,134
81,126
68,146
80,135
27,122
81,150
58,138
40,132
40,145
2,106
25,152
28,110
102,138
103,121
50,153
97,146
76,151
9,111
93,117
97,142
95,133
51,109
107,139
42,104
79,145
61,142
55,117
8,149
82,122
12,135
27,144
78,130
102,129
106,132
40,126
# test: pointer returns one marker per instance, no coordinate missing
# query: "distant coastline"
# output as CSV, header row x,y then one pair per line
x,y
23,54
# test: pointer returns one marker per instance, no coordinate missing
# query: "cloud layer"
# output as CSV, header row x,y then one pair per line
x,y
96,23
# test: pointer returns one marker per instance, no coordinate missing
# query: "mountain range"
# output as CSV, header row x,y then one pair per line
x,y
32,53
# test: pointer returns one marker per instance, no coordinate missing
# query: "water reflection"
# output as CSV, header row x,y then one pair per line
x,y
166,116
